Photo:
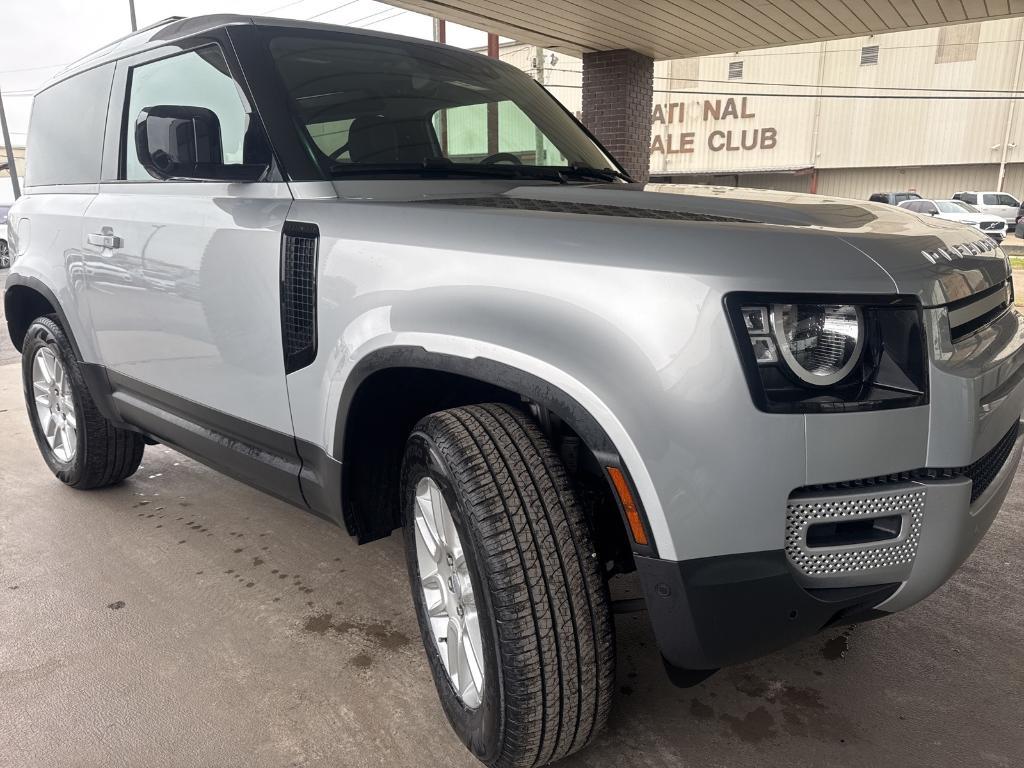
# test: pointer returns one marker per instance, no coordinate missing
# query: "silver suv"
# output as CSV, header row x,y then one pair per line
x,y
994,203
399,286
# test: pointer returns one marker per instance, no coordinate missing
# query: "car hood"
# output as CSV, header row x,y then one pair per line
x,y
904,245
970,218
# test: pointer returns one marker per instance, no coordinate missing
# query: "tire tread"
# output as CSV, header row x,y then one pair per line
x,y
556,637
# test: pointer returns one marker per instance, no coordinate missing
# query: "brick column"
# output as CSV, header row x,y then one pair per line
x,y
618,95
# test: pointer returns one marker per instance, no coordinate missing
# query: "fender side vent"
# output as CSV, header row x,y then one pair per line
x,y
299,251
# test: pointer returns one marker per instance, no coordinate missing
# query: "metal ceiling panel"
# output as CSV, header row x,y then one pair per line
x,y
672,29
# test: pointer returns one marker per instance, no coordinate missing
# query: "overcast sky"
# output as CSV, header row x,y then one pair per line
x,y
38,37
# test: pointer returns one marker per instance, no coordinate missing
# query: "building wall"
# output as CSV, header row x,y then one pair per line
x,y
933,182
808,127
770,127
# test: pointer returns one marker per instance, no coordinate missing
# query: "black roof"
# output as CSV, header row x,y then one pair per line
x,y
178,28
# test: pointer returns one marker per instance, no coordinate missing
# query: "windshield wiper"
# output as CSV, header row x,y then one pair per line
x,y
439,168
602,174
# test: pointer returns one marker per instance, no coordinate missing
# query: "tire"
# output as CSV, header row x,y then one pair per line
x,y
103,454
541,601
5,255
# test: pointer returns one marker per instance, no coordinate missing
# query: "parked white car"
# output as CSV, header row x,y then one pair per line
x,y
958,210
5,253
995,203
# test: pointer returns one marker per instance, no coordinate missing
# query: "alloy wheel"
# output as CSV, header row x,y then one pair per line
x,y
448,593
55,404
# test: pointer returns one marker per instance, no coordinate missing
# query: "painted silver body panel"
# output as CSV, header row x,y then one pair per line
x,y
952,530
190,301
623,313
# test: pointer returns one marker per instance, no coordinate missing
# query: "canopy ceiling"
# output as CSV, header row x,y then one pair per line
x,y
671,29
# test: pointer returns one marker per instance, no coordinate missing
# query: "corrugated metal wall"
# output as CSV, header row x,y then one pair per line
x,y
933,182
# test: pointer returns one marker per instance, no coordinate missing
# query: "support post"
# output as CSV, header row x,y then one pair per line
x,y
539,155
12,166
131,12
618,97
492,107
440,36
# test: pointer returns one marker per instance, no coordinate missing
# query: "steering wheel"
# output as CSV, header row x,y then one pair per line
x,y
501,157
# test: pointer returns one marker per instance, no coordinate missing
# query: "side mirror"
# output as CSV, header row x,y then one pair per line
x,y
185,143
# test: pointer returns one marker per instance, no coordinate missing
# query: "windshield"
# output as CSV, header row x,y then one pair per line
x,y
954,206
367,105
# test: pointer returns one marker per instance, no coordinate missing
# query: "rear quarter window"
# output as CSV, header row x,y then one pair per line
x,y
65,135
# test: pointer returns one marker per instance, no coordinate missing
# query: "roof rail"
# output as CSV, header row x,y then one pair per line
x,y
72,65
156,24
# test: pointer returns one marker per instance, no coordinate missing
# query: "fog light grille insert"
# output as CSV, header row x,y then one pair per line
x,y
821,561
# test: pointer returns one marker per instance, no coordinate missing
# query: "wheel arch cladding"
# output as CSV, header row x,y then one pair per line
x,y
26,299
391,389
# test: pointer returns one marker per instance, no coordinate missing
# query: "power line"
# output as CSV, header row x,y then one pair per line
x,y
389,9
812,85
378,21
780,49
332,10
30,69
1014,96
281,7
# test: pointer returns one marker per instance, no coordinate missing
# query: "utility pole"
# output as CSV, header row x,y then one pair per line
x,y
12,167
131,10
539,157
1009,116
440,36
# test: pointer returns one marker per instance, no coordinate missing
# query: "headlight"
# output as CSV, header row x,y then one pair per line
x,y
821,343
807,354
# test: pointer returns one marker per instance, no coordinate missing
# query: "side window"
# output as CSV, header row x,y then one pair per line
x,y
927,207
970,197
65,135
198,78
1008,200
990,199
878,198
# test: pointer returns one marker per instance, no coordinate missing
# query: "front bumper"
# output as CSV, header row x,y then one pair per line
x,y
943,469
716,611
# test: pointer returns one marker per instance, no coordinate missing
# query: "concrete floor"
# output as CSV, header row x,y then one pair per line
x,y
182,619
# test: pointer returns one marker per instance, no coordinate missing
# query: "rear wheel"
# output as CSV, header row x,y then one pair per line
x,y
512,606
5,255
80,446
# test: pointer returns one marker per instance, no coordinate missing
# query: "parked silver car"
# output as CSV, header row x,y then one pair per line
x,y
999,204
959,211
399,286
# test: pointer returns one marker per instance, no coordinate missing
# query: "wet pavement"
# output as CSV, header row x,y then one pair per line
x,y
182,619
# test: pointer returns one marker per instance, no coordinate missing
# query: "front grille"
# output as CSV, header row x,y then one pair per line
x,y
984,470
298,294
989,225
970,315
981,473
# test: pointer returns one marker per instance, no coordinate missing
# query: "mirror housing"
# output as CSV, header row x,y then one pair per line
x,y
177,142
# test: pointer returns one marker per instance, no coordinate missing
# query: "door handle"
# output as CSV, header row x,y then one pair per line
x,y
105,240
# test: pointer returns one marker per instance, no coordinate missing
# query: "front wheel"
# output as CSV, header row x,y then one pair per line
x,y
512,606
